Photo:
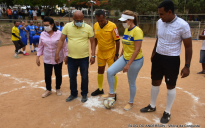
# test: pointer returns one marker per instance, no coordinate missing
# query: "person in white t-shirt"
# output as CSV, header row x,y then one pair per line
x,y
202,52
171,31
34,14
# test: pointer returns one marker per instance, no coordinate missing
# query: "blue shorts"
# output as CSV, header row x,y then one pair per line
x,y
24,40
31,40
36,39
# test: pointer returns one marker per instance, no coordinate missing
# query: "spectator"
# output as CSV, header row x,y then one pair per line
x,y
42,13
1,14
34,14
20,14
15,14
30,14
9,13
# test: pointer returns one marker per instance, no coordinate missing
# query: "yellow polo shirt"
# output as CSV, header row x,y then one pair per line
x,y
128,41
106,36
78,46
15,30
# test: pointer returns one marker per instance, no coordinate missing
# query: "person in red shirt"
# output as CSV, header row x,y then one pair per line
x,y
9,13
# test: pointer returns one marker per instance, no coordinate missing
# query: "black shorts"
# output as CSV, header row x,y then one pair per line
x,y
18,44
167,66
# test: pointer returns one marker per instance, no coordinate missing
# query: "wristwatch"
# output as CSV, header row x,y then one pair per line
x,y
187,65
116,54
93,56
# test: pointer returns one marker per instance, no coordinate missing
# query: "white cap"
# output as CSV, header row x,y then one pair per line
x,y
126,17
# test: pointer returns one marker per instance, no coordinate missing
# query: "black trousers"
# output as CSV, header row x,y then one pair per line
x,y
48,69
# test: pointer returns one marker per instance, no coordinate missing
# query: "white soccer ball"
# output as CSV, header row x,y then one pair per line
x,y
109,102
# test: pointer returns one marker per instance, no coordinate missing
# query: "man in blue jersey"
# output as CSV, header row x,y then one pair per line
x,y
36,38
58,25
23,35
31,29
61,26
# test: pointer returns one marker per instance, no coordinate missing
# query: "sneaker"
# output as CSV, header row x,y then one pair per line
x,y
26,54
97,92
16,56
107,96
84,99
46,93
58,92
31,50
148,109
128,107
70,98
20,52
165,118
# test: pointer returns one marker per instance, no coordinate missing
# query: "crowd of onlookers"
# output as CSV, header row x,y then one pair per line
x,y
19,13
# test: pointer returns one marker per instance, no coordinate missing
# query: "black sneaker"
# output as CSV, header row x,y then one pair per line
x,y
148,109
70,98
165,118
97,92
84,99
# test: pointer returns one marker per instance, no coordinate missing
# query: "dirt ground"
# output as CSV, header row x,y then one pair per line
x,y
22,84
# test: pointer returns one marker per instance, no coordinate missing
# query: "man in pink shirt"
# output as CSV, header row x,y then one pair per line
x,y
47,47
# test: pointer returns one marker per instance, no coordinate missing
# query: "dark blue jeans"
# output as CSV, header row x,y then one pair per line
x,y
73,65
10,17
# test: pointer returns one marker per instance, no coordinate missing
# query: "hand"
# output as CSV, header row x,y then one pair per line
x,y
38,61
66,60
185,72
116,57
57,58
126,68
92,60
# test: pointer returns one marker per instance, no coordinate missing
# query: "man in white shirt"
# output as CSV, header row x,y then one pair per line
x,y
171,31
202,52
34,14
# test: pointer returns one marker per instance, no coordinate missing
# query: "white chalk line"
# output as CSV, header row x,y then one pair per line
x,y
88,104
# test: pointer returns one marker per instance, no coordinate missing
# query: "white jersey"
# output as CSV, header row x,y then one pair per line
x,y
170,36
35,13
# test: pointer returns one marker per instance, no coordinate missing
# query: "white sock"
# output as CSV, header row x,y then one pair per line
x,y
171,94
24,52
16,54
36,48
31,47
19,50
154,94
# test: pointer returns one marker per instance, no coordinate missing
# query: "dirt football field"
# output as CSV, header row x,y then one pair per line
x,y
22,84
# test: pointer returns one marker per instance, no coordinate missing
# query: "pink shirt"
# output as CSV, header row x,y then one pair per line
x,y
48,45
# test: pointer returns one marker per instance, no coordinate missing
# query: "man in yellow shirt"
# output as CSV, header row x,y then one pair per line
x,y
78,34
17,39
108,41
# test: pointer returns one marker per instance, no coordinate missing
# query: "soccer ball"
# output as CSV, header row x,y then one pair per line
x,y
109,102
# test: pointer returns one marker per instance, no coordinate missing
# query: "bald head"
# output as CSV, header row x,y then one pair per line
x,y
78,15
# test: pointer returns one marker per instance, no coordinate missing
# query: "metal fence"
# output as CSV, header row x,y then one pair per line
x,y
146,22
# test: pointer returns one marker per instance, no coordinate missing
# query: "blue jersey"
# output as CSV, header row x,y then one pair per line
x,y
15,12
22,32
31,30
40,29
59,27
30,12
